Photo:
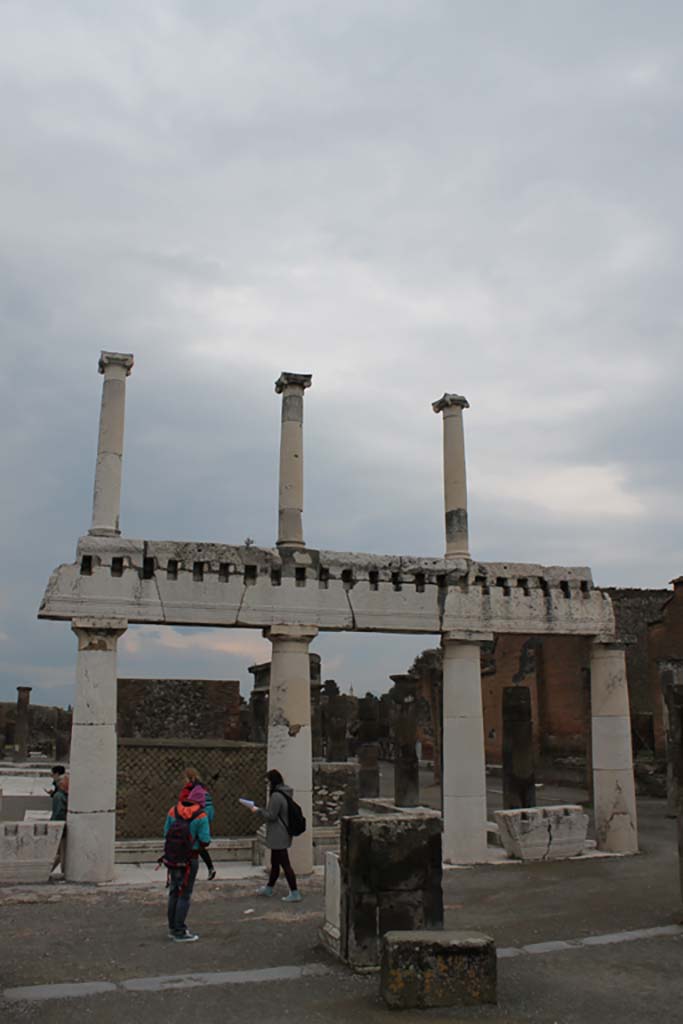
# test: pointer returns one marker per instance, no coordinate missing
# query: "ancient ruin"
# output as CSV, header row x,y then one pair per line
x,y
292,592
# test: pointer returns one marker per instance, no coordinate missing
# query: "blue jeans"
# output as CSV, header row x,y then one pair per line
x,y
179,895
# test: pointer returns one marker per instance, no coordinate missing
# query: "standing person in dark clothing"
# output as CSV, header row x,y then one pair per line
x,y
60,803
278,839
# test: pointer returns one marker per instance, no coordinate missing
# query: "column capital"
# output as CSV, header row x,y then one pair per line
x,y
124,360
98,634
305,634
467,636
294,380
448,401
611,643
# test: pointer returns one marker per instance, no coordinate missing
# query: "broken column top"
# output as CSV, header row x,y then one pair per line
x,y
124,359
447,400
302,380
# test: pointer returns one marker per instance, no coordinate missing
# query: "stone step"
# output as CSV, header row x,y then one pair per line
x,y
142,851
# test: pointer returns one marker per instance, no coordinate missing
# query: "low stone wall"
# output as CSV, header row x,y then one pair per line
x,y
28,850
335,791
150,778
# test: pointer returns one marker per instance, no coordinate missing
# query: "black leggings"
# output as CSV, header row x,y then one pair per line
x,y
280,859
206,857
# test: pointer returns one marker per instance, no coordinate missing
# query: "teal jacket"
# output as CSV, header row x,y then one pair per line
x,y
199,826
60,800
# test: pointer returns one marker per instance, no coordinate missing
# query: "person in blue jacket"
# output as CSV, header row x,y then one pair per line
x,y
194,789
182,875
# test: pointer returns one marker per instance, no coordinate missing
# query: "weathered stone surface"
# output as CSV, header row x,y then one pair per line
x,y
390,879
171,708
28,850
543,833
330,933
250,586
335,791
404,729
425,968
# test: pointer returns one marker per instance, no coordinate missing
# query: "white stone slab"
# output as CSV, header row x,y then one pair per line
x,y
543,833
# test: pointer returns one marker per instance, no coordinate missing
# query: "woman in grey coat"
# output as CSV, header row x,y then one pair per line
x,y
278,839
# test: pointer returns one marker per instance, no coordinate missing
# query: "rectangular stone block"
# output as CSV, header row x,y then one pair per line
x,y
543,833
331,930
28,850
425,968
390,879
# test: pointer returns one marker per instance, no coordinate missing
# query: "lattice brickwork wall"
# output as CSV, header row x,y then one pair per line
x,y
150,777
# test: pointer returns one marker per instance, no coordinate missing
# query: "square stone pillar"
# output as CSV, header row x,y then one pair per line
x,y
91,819
464,765
614,797
289,726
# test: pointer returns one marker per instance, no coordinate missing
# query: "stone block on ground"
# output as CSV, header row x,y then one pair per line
x,y
28,850
437,968
543,833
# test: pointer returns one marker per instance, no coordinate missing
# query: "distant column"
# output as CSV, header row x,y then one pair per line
x,y
21,729
406,764
614,798
519,789
289,726
454,476
91,819
291,496
464,766
115,366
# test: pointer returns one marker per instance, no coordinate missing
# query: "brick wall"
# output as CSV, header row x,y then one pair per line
x,y
172,708
665,641
150,777
634,610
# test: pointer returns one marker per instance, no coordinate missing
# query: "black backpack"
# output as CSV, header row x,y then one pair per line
x,y
295,816
179,841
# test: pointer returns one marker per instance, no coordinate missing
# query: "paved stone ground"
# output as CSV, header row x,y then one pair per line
x,y
115,940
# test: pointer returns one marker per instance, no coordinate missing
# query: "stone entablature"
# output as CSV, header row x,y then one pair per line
x,y
184,583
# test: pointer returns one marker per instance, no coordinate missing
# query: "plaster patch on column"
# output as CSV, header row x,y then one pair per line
x,y
294,730
456,523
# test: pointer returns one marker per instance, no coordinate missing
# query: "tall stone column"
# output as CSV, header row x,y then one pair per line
x,y
91,821
21,725
454,477
106,505
289,726
291,496
519,789
614,798
464,766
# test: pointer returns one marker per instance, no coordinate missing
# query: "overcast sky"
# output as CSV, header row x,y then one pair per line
x,y
401,197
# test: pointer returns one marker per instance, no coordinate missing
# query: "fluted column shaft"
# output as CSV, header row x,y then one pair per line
x,y
291,491
464,766
454,476
289,726
614,798
91,820
106,508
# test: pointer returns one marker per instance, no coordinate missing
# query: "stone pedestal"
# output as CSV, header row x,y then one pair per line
x,y
289,726
390,879
422,969
291,502
91,820
614,798
368,775
21,725
115,366
464,768
335,718
519,788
